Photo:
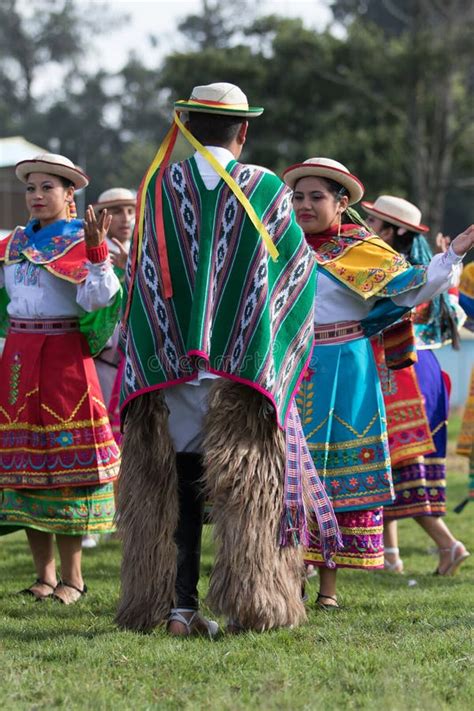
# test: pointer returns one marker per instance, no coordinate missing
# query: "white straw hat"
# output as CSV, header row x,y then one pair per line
x,y
115,197
325,168
396,211
219,98
53,164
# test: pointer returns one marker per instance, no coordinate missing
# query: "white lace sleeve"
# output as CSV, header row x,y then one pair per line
x,y
443,272
99,288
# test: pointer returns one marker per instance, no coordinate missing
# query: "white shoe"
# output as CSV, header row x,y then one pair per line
x,y
454,560
397,565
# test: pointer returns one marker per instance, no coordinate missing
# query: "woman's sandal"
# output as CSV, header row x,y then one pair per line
x,y
209,627
455,561
38,597
323,605
397,565
62,583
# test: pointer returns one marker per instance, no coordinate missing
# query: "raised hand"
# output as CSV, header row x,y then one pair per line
x,y
119,259
95,230
463,242
443,242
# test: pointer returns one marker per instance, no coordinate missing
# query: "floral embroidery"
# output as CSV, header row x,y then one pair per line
x,y
64,439
27,274
366,455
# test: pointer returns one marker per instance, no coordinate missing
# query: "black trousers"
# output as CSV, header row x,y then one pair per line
x,y
188,533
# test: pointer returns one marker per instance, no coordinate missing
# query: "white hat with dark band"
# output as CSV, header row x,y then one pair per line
x,y
325,168
52,164
396,211
115,197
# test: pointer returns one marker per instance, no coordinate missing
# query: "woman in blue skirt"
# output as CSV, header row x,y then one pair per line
x,y
363,285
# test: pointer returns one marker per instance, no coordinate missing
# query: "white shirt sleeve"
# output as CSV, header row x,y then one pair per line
x,y
443,272
99,288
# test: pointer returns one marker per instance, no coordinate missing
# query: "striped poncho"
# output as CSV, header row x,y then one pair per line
x,y
234,311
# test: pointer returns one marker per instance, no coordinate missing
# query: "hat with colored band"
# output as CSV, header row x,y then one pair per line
x,y
52,164
325,168
220,98
115,197
396,211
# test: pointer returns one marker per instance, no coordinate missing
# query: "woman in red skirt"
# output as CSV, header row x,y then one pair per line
x,y
59,301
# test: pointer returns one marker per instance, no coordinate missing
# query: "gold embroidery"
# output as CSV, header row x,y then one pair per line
x,y
349,444
439,427
357,469
351,429
74,412
15,370
53,428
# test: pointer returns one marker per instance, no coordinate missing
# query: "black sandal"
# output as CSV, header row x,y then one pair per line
x,y
323,606
82,592
39,598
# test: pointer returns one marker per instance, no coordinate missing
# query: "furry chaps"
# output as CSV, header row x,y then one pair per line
x,y
147,515
255,582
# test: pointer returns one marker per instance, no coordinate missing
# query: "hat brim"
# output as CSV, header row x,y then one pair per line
x,y
76,176
305,170
386,217
221,110
99,206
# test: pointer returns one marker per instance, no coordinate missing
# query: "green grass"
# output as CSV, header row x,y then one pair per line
x,y
395,645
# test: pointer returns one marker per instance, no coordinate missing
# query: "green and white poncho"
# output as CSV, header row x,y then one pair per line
x,y
234,311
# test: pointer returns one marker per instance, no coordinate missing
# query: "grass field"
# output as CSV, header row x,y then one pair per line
x,y
401,642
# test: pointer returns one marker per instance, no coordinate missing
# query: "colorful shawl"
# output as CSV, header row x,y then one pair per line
x,y
60,249
363,263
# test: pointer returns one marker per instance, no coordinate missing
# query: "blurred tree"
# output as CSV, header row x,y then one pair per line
x,y
217,24
38,34
74,116
434,78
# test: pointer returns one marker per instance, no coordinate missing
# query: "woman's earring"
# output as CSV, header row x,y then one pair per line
x,y
339,225
71,211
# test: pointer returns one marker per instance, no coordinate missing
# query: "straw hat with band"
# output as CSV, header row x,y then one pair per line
x,y
220,98
396,211
115,197
53,164
325,168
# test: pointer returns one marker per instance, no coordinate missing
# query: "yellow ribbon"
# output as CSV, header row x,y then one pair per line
x,y
241,197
